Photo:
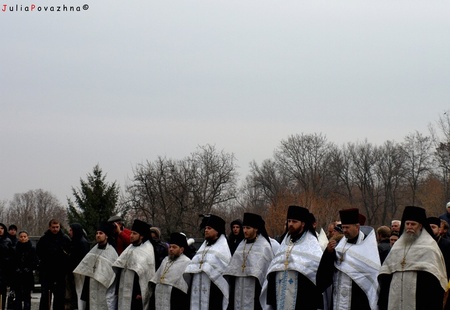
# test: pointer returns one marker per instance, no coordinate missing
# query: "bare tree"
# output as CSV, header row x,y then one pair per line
x,y
390,172
364,159
441,140
32,211
172,193
417,160
306,158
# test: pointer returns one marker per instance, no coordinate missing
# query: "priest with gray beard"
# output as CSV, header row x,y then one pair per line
x,y
170,287
413,276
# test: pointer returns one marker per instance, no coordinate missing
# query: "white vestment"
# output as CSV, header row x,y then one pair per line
x,y
359,262
206,267
249,262
302,256
323,240
97,265
423,255
138,260
169,275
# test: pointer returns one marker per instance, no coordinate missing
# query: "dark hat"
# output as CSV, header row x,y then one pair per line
x,y
115,218
178,239
338,228
216,222
205,218
105,227
12,227
434,220
141,227
349,216
416,214
236,222
298,213
362,219
253,220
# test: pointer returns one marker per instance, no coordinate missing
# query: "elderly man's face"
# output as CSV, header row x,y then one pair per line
x,y
412,227
395,226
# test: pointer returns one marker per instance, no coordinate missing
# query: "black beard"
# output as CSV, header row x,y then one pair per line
x,y
173,257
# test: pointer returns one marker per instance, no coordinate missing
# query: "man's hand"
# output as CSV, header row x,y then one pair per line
x,y
331,246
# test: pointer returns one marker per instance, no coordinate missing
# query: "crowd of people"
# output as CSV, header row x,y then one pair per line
x,y
352,266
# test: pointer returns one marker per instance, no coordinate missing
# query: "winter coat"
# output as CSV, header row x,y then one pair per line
x,y
6,252
79,246
53,252
24,262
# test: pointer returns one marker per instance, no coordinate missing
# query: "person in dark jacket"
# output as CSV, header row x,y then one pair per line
x,y
53,252
6,252
79,247
25,260
384,245
12,234
236,235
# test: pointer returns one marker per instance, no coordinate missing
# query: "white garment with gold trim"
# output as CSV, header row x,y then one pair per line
x,y
361,264
206,267
97,265
138,260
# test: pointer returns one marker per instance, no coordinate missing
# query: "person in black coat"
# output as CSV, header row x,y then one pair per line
x,y
53,252
25,260
6,252
79,247
236,235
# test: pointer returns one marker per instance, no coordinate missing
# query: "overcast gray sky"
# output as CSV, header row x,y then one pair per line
x,y
125,82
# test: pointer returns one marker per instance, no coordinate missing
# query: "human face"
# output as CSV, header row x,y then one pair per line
x,y
211,234
100,237
236,229
395,226
2,231
442,229
350,230
435,229
55,228
250,232
330,230
135,238
12,232
392,240
70,232
295,227
175,251
412,227
23,237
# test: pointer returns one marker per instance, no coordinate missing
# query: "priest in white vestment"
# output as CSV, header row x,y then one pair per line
x,y
249,263
290,282
351,265
136,266
208,287
94,275
413,275
170,287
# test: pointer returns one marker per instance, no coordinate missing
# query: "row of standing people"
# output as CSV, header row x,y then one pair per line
x,y
261,274
300,274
